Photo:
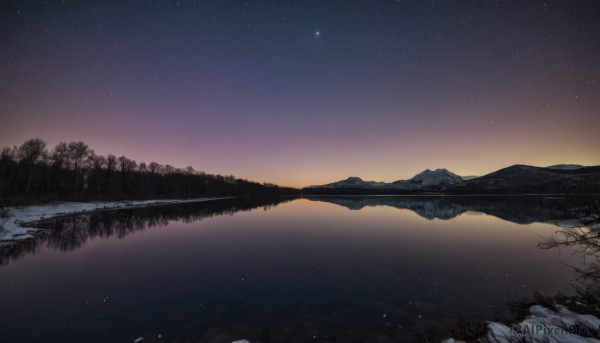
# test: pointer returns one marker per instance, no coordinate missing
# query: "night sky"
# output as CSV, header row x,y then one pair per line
x,y
307,92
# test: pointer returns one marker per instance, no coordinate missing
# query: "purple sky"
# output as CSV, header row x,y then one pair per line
x,y
307,92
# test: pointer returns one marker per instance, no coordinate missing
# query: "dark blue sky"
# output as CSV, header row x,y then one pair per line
x,y
382,91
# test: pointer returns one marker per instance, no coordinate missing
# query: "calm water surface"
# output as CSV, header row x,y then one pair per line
x,y
306,270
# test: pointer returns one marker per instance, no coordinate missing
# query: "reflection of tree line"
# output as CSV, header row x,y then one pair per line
x,y
70,233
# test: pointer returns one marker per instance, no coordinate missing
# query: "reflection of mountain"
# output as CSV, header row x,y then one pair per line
x,y
521,210
70,233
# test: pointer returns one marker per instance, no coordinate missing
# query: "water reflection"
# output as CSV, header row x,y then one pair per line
x,y
73,232
305,271
70,233
584,240
517,209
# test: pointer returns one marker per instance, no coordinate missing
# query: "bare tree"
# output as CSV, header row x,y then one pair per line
x,y
585,236
8,154
60,160
126,164
32,152
583,239
111,166
111,162
154,167
60,155
142,167
78,154
98,162
7,157
127,168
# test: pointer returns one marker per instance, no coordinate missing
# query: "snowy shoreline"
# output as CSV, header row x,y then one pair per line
x,y
544,325
17,225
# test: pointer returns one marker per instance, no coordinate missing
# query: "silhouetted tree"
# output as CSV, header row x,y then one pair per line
x,y
31,153
78,154
23,169
60,155
98,163
154,167
60,162
111,167
7,167
583,239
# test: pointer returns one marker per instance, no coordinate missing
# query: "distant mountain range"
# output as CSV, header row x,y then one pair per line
x,y
517,179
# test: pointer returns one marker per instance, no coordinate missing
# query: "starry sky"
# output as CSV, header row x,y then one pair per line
x,y
307,92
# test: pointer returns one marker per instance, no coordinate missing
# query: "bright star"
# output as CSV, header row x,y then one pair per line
x,y
317,33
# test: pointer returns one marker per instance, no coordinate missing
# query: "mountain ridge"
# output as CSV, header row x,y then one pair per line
x,y
517,179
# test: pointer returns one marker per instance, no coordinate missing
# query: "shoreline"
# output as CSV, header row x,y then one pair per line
x,y
543,324
19,222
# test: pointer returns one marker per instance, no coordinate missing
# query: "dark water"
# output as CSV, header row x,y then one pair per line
x,y
308,270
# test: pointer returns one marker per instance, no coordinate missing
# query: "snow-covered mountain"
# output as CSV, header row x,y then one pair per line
x,y
429,178
517,179
352,182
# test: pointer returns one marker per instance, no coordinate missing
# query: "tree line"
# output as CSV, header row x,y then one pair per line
x,y
73,171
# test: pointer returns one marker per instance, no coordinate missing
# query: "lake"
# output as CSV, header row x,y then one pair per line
x,y
317,269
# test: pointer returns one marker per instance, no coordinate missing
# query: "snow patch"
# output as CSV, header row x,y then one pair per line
x,y
17,225
438,177
544,325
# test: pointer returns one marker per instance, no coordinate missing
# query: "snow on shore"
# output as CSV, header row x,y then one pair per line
x,y
544,325
17,225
